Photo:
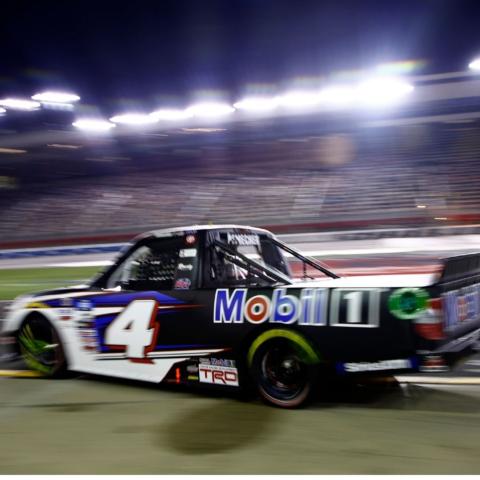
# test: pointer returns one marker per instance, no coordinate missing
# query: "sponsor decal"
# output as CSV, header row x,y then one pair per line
x,y
242,239
218,374
433,363
234,307
182,284
87,335
190,239
185,266
66,302
397,364
65,313
220,362
307,306
188,253
84,305
461,305
408,303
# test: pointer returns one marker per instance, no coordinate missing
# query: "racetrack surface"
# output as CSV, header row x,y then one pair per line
x,y
93,425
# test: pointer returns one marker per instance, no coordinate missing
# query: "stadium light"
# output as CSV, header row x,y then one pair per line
x,y
2,110
136,119
257,104
56,97
299,99
210,109
12,151
475,64
337,96
170,114
19,104
381,91
93,125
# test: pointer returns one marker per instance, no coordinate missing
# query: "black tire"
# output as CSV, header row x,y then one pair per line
x,y
41,348
282,375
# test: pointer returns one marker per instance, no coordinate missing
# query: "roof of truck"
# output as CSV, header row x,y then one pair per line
x,y
196,228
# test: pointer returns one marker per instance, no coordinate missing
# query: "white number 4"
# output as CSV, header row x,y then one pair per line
x,y
135,329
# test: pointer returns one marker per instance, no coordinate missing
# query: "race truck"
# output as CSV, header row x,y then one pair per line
x,y
219,306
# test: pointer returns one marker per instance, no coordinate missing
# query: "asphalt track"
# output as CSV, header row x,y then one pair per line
x,y
91,425
88,425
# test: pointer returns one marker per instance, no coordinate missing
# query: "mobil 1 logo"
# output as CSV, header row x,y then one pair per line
x,y
308,306
355,307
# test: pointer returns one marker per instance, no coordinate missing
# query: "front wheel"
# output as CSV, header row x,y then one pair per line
x,y
284,373
41,348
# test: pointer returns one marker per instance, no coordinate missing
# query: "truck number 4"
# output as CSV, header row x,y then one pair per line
x,y
135,330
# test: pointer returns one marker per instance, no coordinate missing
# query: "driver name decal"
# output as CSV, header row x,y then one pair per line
x,y
242,239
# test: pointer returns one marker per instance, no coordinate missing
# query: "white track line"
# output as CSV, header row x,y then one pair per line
x,y
98,263
440,380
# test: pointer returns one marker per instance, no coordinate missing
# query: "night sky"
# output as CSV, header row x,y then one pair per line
x,y
164,51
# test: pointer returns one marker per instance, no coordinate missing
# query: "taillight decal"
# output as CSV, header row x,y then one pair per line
x,y
435,303
430,331
429,324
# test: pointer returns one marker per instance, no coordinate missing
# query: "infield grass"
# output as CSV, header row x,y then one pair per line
x,y
15,282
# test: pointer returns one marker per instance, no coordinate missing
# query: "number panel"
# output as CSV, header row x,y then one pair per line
x,y
134,330
355,307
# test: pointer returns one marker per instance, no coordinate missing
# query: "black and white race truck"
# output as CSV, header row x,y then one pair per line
x,y
218,305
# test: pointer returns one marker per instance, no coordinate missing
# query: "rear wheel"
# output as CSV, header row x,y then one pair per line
x,y
283,372
41,348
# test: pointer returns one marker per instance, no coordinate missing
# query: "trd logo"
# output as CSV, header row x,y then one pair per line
x,y
218,376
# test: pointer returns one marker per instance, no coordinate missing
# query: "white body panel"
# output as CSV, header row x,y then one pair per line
x,y
81,360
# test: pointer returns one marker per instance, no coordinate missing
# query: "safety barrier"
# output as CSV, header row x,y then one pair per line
x,y
56,251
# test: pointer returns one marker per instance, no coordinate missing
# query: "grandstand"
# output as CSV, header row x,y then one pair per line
x,y
365,176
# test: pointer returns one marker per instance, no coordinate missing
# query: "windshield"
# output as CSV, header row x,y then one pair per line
x,y
155,264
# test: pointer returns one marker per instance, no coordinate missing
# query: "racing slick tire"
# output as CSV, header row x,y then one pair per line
x,y
40,347
284,368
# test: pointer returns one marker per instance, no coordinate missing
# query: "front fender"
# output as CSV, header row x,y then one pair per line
x,y
14,320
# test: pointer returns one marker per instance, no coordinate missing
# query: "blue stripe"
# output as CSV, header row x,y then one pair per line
x,y
125,298
117,299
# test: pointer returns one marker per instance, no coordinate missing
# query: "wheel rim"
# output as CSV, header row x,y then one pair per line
x,y
40,346
283,374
